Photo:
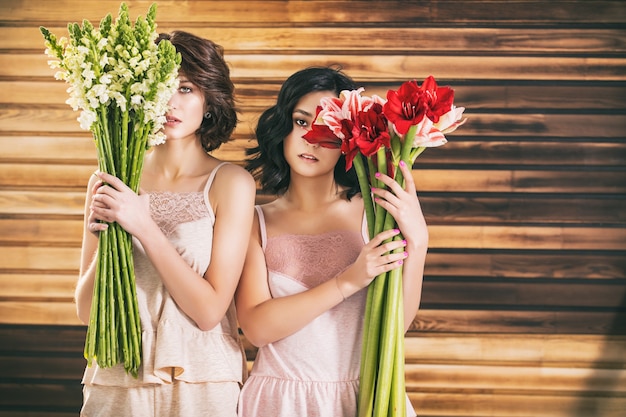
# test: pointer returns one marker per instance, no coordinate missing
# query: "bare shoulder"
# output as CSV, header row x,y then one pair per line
x,y
232,175
233,185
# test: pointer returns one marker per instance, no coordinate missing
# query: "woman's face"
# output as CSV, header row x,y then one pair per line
x,y
304,158
186,111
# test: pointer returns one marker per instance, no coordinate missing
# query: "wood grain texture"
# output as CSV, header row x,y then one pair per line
x,y
523,312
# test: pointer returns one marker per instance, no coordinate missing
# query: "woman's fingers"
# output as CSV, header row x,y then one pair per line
x,y
409,182
112,181
389,252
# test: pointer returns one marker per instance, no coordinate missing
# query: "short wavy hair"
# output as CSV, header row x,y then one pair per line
x,y
266,161
204,65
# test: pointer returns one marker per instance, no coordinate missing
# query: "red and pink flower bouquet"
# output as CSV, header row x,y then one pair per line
x,y
375,135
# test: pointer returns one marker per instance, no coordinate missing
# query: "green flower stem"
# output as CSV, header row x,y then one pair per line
x,y
398,389
365,402
374,316
366,193
375,295
101,320
114,333
119,292
133,328
387,343
371,348
381,160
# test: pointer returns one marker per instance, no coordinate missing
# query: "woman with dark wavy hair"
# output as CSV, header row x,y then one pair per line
x,y
301,297
189,222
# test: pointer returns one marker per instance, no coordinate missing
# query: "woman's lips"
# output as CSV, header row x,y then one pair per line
x,y
307,157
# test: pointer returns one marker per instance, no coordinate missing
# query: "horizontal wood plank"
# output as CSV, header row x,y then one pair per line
x,y
74,150
519,322
55,260
504,265
397,68
439,264
528,380
494,403
38,312
75,177
427,320
438,293
439,209
254,97
523,294
32,122
448,237
434,40
604,352
280,13
46,395
41,286
51,204
526,264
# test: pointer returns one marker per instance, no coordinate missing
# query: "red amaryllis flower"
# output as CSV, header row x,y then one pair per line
x,y
411,103
322,134
372,130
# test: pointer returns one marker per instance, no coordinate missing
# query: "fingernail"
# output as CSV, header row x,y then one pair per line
x,y
406,254
396,230
404,242
377,175
373,188
402,163
400,262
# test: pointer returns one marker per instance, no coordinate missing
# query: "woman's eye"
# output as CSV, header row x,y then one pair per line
x,y
301,123
184,89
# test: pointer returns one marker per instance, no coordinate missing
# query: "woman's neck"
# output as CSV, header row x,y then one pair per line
x,y
177,159
309,194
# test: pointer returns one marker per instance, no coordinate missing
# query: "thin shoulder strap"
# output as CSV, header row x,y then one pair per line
x,y
262,228
209,181
207,186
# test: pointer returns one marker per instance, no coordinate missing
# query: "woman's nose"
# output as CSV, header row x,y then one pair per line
x,y
314,145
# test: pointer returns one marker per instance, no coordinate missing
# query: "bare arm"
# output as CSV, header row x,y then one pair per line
x,y
204,299
264,319
84,287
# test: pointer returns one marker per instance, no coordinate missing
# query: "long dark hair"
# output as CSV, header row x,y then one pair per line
x,y
266,161
203,64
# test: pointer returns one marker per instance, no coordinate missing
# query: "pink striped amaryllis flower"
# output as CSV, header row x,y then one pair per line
x,y
353,122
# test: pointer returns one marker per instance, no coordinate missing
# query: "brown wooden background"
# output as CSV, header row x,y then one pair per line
x,y
524,300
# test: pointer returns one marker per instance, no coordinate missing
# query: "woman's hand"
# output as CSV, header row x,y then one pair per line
x,y
114,201
403,205
93,224
375,258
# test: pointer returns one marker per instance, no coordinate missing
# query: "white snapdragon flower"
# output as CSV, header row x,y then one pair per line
x,y
86,119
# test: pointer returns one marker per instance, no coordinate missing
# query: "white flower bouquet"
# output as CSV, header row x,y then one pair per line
x,y
121,81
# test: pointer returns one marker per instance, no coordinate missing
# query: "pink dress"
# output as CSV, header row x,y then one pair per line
x,y
315,371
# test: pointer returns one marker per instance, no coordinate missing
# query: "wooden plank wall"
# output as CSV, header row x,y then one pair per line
x,y
524,300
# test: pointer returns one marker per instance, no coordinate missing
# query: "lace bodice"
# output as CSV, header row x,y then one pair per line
x,y
170,209
312,259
